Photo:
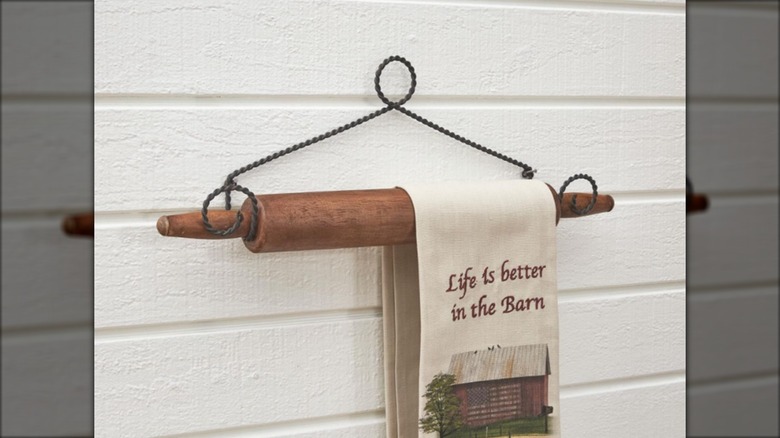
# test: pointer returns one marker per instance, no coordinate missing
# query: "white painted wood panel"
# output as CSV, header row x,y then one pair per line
x,y
356,432
743,406
621,335
47,111
733,52
734,242
334,47
642,410
627,4
47,382
622,409
176,378
355,425
206,338
222,280
176,384
47,277
41,35
732,332
732,320
172,158
50,146
151,275
733,149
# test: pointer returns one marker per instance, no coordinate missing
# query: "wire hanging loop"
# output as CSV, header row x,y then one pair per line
x,y
239,216
230,184
574,207
378,86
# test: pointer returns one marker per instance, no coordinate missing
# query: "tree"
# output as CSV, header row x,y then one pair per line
x,y
442,407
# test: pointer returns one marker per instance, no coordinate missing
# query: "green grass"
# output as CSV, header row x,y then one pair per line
x,y
519,427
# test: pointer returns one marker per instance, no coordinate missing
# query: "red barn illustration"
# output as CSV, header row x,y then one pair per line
x,y
501,384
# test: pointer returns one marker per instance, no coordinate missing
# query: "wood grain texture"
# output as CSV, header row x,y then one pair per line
x,y
336,366
354,218
208,279
267,46
175,157
330,220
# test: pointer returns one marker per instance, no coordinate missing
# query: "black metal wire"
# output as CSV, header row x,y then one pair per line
x,y
574,207
231,185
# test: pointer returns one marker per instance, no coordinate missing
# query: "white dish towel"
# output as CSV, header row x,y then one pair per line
x,y
471,314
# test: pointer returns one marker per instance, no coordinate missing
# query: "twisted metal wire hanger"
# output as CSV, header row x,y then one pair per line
x,y
230,184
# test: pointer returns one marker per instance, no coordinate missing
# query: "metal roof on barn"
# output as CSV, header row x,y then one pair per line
x,y
500,363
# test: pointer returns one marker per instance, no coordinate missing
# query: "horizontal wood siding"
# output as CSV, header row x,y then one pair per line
x,y
732,247
47,284
205,339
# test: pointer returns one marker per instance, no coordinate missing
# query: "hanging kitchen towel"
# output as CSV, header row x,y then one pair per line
x,y
471,314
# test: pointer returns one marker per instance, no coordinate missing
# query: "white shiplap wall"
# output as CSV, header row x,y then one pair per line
x,y
46,174
732,247
206,339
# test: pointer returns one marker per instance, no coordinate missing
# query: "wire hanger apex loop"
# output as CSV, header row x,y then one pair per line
x,y
230,184
378,86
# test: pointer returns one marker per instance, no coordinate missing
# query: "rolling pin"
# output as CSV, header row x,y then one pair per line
x,y
79,225
695,203
327,220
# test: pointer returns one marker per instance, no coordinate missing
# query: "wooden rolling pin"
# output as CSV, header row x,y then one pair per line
x,y
82,224
325,220
696,203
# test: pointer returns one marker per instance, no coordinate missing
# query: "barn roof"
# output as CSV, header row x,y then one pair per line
x,y
500,363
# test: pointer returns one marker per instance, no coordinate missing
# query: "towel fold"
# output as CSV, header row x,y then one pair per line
x,y
471,314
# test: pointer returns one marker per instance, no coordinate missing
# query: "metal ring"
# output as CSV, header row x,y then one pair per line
x,y
592,203
239,217
378,87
